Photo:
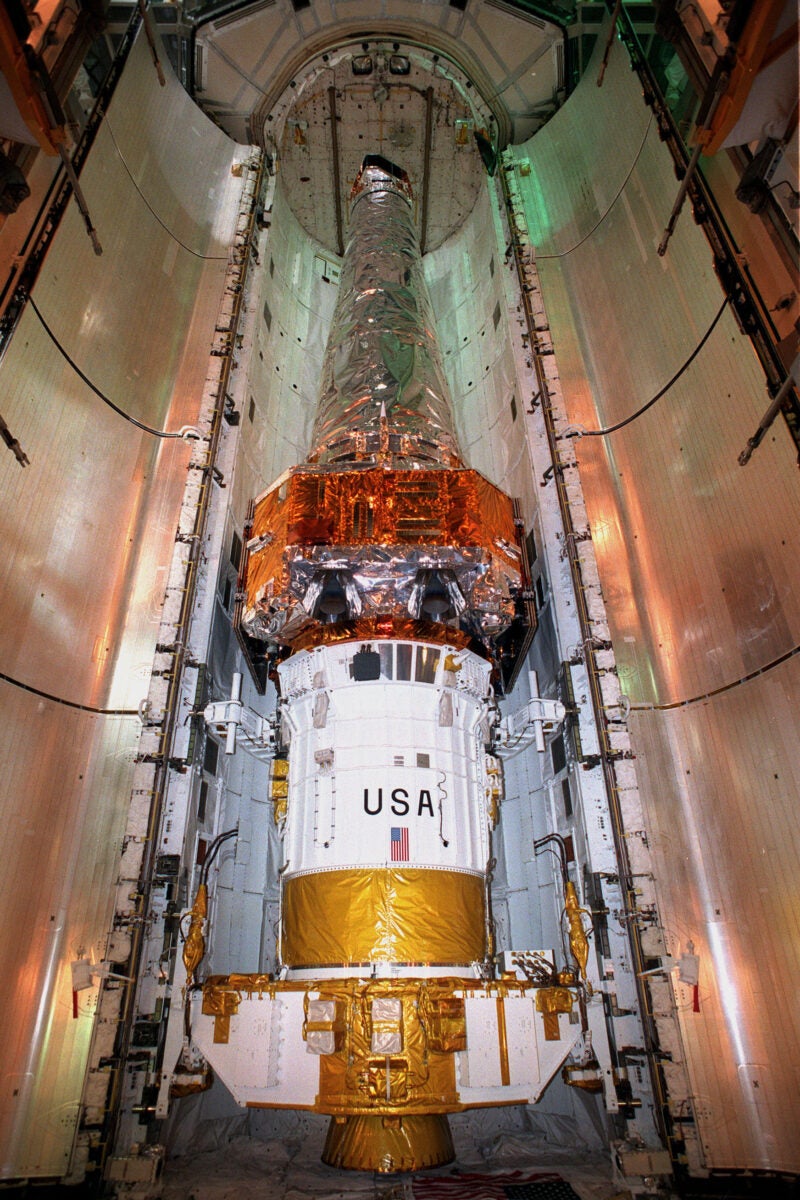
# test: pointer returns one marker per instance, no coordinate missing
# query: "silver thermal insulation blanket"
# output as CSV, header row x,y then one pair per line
x,y
382,354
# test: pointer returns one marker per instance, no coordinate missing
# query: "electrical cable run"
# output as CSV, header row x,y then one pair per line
x,y
213,850
100,712
162,433
627,420
599,221
725,687
152,211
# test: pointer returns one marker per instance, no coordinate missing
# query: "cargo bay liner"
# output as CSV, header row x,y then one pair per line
x,y
388,582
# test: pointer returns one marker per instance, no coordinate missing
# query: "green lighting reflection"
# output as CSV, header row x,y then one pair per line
x,y
540,225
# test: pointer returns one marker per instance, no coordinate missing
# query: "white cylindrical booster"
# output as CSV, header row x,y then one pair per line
x,y
386,839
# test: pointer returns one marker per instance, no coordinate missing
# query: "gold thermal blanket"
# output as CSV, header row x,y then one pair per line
x,y
402,915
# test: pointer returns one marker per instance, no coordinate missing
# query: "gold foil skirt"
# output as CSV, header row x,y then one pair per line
x,y
400,915
389,1144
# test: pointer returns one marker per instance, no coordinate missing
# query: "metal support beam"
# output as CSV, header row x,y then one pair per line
x,y
80,199
769,416
626,878
337,183
426,169
679,199
151,41
609,43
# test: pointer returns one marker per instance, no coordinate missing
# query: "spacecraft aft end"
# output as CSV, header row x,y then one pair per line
x,y
389,1144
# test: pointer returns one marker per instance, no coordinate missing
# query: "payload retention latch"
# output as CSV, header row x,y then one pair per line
x,y
528,724
227,718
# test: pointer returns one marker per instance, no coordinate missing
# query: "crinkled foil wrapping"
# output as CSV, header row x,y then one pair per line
x,y
382,351
402,915
380,534
383,521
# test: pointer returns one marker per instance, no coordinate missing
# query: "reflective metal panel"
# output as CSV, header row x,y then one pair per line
x,y
88,529
698,562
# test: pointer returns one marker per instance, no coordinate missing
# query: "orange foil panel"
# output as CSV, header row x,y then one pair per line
x,y
331,546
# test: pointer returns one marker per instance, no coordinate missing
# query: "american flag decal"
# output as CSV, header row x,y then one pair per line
x,y
513,1186
399,843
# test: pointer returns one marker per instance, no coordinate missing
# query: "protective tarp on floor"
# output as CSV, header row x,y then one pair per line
x,y
277,1156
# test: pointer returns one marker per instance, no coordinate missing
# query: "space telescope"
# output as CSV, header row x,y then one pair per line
x,y
384,590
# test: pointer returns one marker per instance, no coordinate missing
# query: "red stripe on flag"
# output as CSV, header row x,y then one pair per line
x,y
398,844
492,1187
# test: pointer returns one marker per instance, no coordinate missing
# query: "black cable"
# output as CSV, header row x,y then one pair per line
x,y
560,856
664,390
212,853
599,222
139,424
725,687
152,211
100,712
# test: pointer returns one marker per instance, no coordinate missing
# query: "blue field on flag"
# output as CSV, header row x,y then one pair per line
x,y
513,1185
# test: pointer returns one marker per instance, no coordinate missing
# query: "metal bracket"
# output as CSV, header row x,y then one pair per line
x,y
528,724
227,717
